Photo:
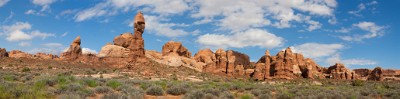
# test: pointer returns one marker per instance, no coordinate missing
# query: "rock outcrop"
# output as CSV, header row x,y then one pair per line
x,y
19,54
128,48
114,51
45,56
286,65
339,71
74,51
223,62
137,42
376,74
175,61
3,53
175,48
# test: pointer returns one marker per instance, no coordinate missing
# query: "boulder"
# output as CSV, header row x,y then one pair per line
x,y
175,49
3,53
123,40
114,51
19,54
74,50
376,74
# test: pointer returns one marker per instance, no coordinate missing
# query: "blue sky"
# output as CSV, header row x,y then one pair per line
x,y
358,33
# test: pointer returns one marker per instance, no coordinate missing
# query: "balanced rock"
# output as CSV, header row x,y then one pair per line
x,y
175,49
19,54
376,74
74,50
3,53
339,71
114,51
137,43
124,40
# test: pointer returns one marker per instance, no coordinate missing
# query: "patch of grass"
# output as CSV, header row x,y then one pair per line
x,y
114,84
246,96
90,82
357,83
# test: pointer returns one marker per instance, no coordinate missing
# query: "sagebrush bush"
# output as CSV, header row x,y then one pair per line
x,y
178,89
102,89
357,83
132,92
114,84
114,96
155,90
196,94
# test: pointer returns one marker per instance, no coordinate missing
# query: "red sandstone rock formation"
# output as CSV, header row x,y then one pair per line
x,y
45,56
3,53
137,43
376,74
175,49
229,62
339,71
74,50
114,51
362,72
19,54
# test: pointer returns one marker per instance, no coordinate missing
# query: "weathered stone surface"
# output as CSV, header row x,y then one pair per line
x,y
362,72
339,71
137,43
175,49
221,61
74,50
45,56
175,61
124,40
262,67
114,51
19,54
3,53
376,74
207,57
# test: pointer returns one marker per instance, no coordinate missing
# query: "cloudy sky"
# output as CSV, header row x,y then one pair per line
x,y
358,33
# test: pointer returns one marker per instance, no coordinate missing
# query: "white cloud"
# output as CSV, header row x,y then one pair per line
x,y
52,45
251,37
371,28
44,3
88,51
317,50
349,62
361,7
313,25
343,30
112,7
3,2
24,44
21,31
64,34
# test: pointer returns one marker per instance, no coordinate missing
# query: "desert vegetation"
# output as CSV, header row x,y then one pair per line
x,y
25,85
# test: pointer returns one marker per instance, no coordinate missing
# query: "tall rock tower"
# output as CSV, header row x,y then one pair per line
x,y
137,43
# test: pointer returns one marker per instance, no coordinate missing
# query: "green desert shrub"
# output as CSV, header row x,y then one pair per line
x,y
90,82
246,96
228,95
196,94
178,89
102,89
155,90
132,92
357,83
114,96
26,69
114,84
